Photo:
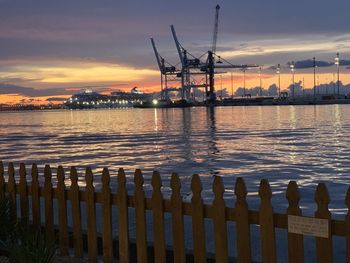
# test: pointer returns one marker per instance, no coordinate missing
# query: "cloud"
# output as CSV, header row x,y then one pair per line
x,y
32,92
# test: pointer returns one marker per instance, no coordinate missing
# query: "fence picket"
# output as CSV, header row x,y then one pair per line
x,y
242,222
177,220
2,180
198,232
62,212
48,196
91,216
267,230
23,195
347,224
11,188
158,219
35,198
295,241
324,249
76,213
107,217
140,218
123,219
220,228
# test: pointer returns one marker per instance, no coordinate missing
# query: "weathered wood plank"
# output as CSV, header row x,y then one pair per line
x,y
140,218
295,241
198,230
324,248
35,192
76,213
23,195
107,217
48,197
158,219
267,230
177,220
123,218
242,222
11,188
62,212
220,228
91,216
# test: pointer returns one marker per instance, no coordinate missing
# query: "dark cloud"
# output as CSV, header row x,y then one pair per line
x,y
32,92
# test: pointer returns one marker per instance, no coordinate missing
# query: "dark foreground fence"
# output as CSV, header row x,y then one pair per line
x,y
28,195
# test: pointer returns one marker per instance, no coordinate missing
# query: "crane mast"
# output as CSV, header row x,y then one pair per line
x,y
215,33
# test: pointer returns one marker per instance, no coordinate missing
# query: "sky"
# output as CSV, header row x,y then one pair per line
x,y
52,49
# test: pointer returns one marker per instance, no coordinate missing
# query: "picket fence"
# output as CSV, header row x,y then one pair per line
x,y
28,193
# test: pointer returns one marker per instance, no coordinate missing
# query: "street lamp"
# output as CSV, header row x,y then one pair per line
x,y
278,71
260,81
314,64
337,64
292,68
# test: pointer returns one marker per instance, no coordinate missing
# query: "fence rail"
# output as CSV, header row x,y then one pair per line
x,y
22,192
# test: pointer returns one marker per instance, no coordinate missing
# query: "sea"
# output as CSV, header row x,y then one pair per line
x,y
309,144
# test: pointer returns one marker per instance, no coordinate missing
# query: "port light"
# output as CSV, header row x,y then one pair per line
x,y
155,102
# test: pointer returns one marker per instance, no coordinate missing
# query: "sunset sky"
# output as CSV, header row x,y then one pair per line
x,y
56,48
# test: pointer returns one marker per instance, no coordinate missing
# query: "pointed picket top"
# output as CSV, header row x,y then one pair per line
x,y
175,183
105,177
218,187
138,180
156,181
292,194
321,195
47,173
196,186
89,178
11,171
265,192
60,175
121,177
22,172
240,189
35,173
347,199
73,176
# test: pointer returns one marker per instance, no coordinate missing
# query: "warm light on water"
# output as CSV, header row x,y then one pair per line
x,y
309,144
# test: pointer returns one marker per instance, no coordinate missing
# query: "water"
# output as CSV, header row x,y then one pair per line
x,y
309,144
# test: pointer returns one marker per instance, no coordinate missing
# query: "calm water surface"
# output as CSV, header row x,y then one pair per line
x,y
309,144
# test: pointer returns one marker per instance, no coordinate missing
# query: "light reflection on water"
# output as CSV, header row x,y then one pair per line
x,y
309,144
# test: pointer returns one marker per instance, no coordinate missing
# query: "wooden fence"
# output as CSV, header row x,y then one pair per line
x,y
28,196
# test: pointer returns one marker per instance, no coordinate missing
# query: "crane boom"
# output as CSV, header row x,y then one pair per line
x,y
178,46
216,24
157,55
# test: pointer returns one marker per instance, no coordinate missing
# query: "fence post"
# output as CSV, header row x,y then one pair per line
x,y
107,217
2,180
76,213
177,219
62,211
123,219
140,218
35,197
220,228
23,195
295,241
158,219
347,224
11,188
267,230
91,216
48,195
198,230
324,247
242,222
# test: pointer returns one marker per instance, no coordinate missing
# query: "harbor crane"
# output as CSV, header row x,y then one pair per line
x,y
216,26
166,70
